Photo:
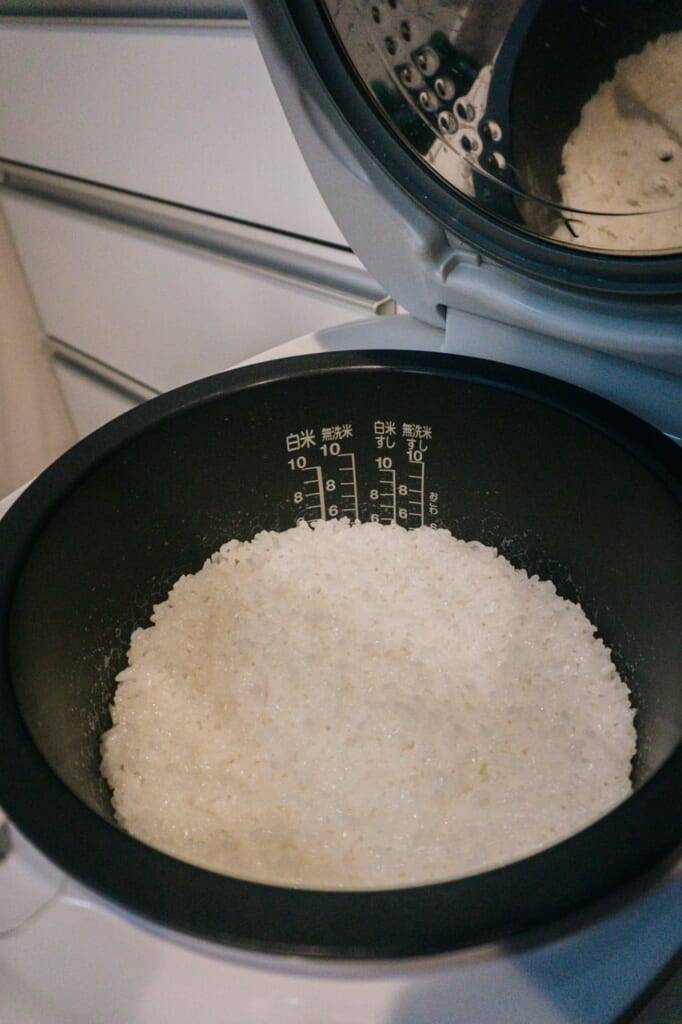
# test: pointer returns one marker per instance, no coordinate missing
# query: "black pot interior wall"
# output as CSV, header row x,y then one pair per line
x,y
556,496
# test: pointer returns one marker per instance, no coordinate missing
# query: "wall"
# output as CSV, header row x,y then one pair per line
x,y
34,424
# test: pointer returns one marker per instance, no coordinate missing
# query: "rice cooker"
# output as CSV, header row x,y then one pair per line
x,y
549,329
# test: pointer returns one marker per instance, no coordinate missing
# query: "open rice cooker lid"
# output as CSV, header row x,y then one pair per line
x,y
520,159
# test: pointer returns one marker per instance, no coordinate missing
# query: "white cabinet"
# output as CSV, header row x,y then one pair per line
x,y
159,312
183,114
112,130
91,402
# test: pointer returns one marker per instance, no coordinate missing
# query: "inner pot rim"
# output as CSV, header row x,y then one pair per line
x,y
413,921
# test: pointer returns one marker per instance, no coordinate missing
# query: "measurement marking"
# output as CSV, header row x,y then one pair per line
x,y
419,491
350,485
391,493
318,491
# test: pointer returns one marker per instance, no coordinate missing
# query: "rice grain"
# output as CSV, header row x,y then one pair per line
x,y
363,706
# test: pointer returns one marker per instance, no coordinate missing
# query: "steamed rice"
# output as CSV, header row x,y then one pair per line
x,y
360,706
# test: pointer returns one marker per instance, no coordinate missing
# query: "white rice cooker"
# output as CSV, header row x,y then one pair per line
x,y
435,132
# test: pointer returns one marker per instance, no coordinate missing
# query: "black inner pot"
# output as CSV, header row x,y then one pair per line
x,y
566,485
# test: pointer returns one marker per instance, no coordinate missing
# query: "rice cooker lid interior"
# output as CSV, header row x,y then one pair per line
x,y
459,114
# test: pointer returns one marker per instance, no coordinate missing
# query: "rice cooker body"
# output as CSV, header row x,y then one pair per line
x,y
573,480
559,479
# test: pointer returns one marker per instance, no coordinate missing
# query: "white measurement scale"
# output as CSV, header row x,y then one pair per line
x,y
328,482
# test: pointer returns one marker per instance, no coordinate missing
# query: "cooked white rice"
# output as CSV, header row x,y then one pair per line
x,y
364,706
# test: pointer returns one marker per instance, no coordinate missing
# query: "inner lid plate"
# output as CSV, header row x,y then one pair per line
x,y
436,130
561,119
